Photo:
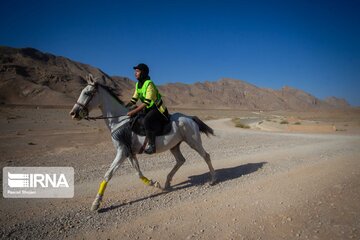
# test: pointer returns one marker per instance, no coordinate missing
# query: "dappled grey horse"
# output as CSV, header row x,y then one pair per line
x,y
128,144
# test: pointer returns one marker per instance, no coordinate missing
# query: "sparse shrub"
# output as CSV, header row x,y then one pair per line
x,y
284,122
239,124
297,123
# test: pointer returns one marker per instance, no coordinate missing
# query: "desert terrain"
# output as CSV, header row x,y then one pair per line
x,y
281,175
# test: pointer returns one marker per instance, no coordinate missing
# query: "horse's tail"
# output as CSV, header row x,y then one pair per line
x,y
203,127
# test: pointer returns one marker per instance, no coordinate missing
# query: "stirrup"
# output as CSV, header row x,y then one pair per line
x,y
150,149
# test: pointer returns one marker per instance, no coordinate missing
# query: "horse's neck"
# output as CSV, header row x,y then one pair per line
x,y
111,108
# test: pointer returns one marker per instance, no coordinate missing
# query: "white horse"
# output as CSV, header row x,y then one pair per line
x,y
128,144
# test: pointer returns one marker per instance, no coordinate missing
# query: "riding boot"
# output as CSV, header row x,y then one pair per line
x,y
150,148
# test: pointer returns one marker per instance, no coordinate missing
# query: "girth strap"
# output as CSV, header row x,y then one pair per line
x,y
144,145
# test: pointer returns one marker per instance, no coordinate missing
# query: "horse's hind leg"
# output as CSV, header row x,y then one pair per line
x,y
179,162
197,146
207,158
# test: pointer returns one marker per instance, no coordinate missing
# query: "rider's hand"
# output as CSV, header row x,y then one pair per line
x,y
136,110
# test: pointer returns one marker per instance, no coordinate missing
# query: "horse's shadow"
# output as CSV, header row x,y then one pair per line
x,y
223,175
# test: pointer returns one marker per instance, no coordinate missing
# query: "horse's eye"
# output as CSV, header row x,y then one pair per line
x,y
87,93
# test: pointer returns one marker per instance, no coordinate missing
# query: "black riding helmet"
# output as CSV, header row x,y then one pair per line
x,y
144,71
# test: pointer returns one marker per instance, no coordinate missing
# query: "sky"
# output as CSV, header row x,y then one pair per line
x,y
310,45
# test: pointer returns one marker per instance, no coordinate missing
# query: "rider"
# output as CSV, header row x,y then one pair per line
x,y
156,114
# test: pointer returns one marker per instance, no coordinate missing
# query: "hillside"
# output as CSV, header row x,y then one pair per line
x,y
231,93
30,77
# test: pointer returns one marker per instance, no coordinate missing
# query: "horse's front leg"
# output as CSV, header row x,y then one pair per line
x,y
115,165
149,182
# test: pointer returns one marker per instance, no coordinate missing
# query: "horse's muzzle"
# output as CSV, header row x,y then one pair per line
x,y
75,113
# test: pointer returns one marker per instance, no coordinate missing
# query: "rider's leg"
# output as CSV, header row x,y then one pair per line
x,y
152,124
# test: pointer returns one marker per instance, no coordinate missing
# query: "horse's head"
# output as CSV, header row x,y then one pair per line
x,y
86,101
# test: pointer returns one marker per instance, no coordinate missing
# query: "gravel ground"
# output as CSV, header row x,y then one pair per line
x,y
271,186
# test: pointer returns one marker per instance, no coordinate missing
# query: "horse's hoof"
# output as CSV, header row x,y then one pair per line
x,y
167,189
95,207
157,184
212,183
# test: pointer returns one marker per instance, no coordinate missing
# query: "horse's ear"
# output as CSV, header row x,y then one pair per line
x,y
90,79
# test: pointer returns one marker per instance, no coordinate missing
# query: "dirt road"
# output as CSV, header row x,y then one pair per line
x,y
271,186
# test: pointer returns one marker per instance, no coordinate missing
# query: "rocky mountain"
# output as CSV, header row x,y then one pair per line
x,y
231,93
337,102
28,76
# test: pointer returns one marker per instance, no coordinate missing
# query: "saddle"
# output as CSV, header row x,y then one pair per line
x,y
137,126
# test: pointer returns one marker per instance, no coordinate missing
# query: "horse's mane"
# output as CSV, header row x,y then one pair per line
x,y
111,92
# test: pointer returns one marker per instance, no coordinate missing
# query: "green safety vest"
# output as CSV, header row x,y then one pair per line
x,y
142,92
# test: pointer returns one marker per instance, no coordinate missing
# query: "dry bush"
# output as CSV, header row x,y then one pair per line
x,y
239,124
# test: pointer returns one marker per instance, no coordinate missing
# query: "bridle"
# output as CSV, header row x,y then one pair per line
x,y
84,109
83,106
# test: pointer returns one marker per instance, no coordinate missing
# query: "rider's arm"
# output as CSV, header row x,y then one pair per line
x,y
135,97
136,110
133,100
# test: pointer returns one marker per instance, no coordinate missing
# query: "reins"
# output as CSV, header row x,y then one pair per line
x,y
99,117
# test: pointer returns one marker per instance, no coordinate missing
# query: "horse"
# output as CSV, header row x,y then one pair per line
x,y
128,144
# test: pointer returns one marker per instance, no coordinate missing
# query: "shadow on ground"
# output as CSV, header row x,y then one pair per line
x,y
223,175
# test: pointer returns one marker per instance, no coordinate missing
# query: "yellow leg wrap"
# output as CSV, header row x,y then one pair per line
x,y
145,180
102,188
